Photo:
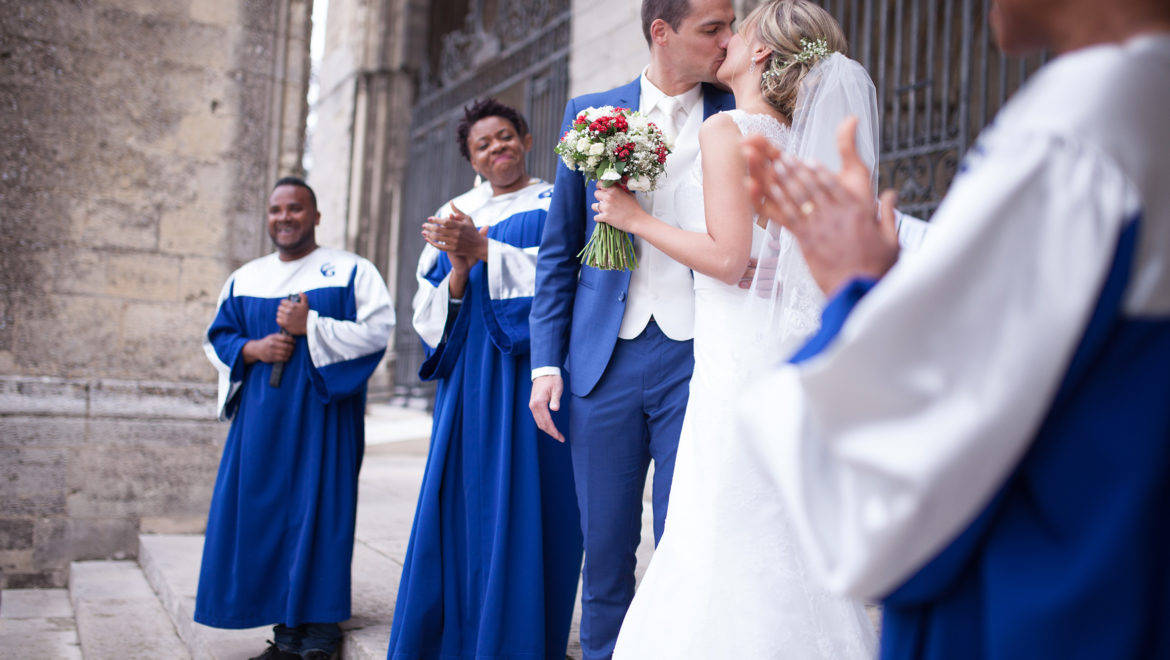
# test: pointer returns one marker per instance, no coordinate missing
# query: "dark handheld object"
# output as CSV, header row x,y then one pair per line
x,y
278,367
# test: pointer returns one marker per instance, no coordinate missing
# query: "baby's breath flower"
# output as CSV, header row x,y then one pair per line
x,y
811,52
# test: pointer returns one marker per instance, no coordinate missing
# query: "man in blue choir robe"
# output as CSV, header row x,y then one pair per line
x,y
280,530
979,435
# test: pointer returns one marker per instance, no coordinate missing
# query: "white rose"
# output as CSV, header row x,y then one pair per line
x,y
583,145
611,175
596,149
638,184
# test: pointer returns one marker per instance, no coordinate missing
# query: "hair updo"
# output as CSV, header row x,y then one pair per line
x,y
781,25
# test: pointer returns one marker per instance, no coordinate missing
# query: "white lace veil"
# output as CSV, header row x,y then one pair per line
x,y
785,304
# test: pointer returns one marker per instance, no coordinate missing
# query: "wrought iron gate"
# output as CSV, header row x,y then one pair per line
x,y
939,81
514,50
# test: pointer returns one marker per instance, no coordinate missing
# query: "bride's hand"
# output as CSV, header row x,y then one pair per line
x,y
618,208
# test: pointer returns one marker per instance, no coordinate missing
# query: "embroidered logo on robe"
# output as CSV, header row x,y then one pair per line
x,y
327,269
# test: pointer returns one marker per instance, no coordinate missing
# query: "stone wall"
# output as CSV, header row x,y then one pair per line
x,y
361,138
608,48
331,141
140,140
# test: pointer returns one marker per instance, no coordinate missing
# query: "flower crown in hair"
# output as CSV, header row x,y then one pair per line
x,y
810,52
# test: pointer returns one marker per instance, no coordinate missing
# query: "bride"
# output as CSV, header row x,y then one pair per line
x,y
727,579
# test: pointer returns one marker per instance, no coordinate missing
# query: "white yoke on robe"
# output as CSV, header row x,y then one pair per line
x,y
511,270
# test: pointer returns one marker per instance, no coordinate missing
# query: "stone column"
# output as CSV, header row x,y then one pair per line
x,y
361,141
141,138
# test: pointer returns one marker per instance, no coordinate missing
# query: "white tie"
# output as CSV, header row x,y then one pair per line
x,y
670,107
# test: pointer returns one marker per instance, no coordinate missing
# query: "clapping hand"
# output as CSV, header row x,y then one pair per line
x,y
458,237
833,216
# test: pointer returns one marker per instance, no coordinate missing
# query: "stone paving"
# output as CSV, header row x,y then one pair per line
x,y
107,597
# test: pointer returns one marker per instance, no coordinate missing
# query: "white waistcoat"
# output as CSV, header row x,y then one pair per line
x,y
660,287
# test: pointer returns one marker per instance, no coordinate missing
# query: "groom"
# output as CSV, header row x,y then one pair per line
x,y
625,339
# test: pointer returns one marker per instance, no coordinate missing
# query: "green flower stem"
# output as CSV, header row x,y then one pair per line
x,y
609,249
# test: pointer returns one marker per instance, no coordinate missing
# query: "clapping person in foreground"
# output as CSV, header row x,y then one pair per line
x,y
978,433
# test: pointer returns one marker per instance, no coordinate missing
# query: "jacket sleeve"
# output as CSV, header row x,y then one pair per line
x,y
557,265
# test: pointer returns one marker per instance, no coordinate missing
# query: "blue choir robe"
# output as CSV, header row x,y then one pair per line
x,y
280,530
982,438
495,551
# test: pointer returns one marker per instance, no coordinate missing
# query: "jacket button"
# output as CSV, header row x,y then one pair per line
x,y
622,296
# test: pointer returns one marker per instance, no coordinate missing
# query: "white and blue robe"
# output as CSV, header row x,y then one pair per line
x,y
982,438
495,551
280,531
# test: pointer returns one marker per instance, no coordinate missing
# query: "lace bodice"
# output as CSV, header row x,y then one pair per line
x,y
689,195
749,124
766,125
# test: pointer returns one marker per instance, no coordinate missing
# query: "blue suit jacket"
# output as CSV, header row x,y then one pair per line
x,y
577,310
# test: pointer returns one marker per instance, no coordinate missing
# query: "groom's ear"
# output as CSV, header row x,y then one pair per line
x,y
659,30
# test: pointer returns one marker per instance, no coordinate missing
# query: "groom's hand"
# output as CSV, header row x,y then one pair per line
x,y
546,396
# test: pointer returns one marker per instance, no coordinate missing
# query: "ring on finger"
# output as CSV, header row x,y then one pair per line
x,y
807,208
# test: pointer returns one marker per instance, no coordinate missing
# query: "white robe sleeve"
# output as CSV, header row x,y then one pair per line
x,y
430,302
511,271
911,230
227,388
333,340
893,439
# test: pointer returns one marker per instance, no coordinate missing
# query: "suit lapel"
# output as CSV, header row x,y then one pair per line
x,y
716,100
629,95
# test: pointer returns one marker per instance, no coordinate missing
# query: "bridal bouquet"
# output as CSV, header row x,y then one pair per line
x,y
614,146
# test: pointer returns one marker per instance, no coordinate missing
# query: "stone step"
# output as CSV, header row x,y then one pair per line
x,y
171,564
38,623
118,615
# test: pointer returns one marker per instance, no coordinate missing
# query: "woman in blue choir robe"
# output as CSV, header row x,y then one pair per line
x,y
495,550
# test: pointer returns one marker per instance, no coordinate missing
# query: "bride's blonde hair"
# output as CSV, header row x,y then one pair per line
x,y
783,25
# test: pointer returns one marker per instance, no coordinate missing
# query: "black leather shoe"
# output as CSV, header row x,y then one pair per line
x,y
273,652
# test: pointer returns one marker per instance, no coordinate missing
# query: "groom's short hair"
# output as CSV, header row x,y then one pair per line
x,y
671,11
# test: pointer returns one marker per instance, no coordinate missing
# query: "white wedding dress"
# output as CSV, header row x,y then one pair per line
x,y
728,579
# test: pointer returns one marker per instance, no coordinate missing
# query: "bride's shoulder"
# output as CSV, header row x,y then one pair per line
x,y
719,124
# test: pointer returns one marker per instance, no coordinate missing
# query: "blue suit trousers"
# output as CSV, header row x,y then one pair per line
x,y
633,415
